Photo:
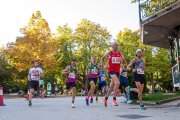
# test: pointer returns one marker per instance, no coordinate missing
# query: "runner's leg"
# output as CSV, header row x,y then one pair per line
x,y
73,96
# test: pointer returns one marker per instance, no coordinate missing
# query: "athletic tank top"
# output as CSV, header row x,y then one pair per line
x,y
124,73
139,65
102,78
93,71
114,62
72,75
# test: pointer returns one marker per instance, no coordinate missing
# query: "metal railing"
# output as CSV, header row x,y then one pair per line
x,y
148,8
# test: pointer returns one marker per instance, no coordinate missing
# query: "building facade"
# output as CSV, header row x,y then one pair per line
x,y
160,27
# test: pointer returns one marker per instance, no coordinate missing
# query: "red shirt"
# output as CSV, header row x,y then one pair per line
x,y
114,62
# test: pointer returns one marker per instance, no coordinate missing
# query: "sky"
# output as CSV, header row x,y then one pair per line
x,y
115,15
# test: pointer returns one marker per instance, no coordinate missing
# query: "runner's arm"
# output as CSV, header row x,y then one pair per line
x,y
129,67
29,75
104,57
99,67
87,69
123,60
121,71
41,73
78,72
66,71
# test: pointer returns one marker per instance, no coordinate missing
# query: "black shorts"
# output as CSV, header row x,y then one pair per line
x,y
34,85
112,73
93,79
123,82
41,86
139,78
101,85
70,84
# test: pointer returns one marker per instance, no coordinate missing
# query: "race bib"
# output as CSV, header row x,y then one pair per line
x,y
140,71
103,78
34,78
71,75
94,71
124,75
116,60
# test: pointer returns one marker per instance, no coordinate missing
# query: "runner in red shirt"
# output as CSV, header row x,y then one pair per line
x,y
115,58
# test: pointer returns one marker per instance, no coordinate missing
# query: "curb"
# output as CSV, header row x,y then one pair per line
x,y
167,100
160,102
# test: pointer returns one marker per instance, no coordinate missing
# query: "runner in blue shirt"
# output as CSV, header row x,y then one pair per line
x,y
123,82
101,83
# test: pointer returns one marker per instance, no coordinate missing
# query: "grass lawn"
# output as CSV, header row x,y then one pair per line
x,y
159,96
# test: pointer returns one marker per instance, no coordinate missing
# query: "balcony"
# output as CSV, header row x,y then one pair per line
x,y
159,21
150,7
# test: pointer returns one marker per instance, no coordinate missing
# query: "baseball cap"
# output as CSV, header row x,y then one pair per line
x,y
138,50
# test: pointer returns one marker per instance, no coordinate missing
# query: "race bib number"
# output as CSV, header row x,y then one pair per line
x,y
71,75
35,75
103,78
116,60
140,71
34,78
94,71
125,75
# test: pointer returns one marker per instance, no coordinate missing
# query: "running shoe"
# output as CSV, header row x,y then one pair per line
x,y
91,100
142,107
129,101
115,103
30,103
73,106
105,102
87,101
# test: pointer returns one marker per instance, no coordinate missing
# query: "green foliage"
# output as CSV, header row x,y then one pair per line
x,y
36,43
55,51
91,39
153,6
155,58
158,97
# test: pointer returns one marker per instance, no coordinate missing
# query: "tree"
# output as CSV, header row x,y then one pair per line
x,y
36,43
162,63
155,58
91,39
7,72
129,42
66,49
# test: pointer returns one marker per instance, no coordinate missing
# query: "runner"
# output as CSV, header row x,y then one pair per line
x,y
56,89
123,82
34,76
71,71
115,59
101,83
137,65
92,77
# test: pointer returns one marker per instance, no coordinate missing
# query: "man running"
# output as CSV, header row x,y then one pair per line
x,y
137,65
71,71
34,76
115,58
101,83
123,82
92,77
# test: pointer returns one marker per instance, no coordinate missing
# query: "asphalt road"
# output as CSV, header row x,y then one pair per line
x,y
60,109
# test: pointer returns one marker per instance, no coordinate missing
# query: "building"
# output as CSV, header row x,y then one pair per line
x,y
160,27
